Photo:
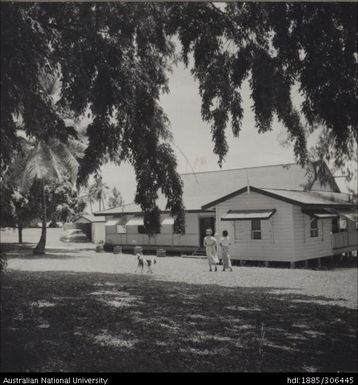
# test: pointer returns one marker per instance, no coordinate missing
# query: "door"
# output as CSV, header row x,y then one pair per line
x,y
86,228
204,224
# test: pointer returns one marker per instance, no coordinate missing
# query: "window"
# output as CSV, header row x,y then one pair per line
x,y
342,224
314,228
141,229
255,229
339,224
335,225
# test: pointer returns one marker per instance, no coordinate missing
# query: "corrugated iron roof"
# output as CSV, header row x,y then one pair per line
x,y
128,208
203,187
311,197
92,218
168,221
321,213
136,221
112,222
301,198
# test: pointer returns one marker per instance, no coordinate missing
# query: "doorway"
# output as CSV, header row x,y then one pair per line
x,y
205,223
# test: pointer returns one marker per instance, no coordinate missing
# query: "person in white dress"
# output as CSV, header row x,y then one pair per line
x,y
211,248
225,245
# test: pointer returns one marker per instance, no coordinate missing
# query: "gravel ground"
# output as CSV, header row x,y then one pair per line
x,y
73,309
334,287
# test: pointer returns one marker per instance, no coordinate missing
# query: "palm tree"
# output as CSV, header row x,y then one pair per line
x,y
47,160
45,163
88,198
115,200
98,191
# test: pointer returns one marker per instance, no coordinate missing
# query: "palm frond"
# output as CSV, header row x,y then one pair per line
x,y
50,81
48,162
57,169
66,157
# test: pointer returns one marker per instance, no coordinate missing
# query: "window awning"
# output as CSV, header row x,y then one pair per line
x,y
136,221
351,215
121,229
321,213
168,221
112,222
242,215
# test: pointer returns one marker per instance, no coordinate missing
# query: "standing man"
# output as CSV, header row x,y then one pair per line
x,y
211,247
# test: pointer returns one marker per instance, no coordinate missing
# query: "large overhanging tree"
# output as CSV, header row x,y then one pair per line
x,y
114,59
276,46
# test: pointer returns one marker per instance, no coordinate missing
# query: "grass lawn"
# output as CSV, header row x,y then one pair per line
x,y
91,321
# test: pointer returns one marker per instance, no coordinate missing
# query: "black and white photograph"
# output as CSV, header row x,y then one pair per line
x,y
179,189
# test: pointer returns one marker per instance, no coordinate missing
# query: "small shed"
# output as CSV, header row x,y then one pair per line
x,y
92,226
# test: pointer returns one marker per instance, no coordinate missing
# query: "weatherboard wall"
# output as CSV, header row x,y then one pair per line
x,y
327,243
277,243
165,238
346,240
305,246
98,232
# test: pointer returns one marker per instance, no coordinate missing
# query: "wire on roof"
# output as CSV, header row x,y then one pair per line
x,y
187,161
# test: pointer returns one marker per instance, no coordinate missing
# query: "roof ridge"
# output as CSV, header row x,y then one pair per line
x,y
305,191
118,207
240,168
281,189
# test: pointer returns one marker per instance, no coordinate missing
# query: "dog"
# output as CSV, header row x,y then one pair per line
x,y
145,261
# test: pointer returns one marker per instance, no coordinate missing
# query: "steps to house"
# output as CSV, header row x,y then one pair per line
x,y
199,252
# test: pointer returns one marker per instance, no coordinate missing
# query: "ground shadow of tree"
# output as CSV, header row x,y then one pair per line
x,y
25,251
61,321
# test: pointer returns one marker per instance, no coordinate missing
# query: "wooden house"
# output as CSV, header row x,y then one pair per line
x,y
272,213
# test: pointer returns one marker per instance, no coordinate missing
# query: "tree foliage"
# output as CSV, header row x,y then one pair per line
x,y
114,59
98,192
38,168
64,204
21,212
21,208
26,60
275,45
115,199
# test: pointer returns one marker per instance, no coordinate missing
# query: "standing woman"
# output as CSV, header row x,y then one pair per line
x,y
211,247
225,244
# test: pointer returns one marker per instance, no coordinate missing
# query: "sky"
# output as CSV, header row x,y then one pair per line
x,y
192,137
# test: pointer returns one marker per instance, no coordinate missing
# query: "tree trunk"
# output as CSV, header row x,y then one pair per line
x,y
91,207
40,248
19,227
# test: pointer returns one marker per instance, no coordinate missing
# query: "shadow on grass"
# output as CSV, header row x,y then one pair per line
x,y
25,251
6,247
60,321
